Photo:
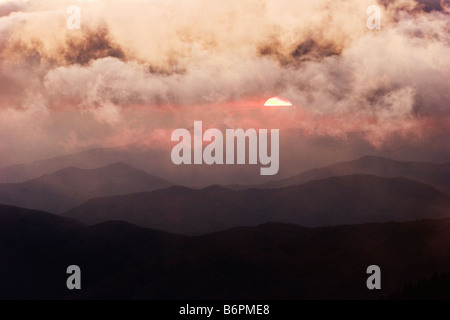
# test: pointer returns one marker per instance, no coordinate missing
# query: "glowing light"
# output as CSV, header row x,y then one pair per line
x,y
277,102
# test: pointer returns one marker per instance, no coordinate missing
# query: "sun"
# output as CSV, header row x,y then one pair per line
x,y
277,102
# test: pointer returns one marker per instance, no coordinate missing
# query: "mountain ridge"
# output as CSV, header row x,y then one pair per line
x,y
434,174
64,189
269,261
330,201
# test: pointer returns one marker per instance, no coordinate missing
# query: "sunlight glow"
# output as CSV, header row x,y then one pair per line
x,y
277,102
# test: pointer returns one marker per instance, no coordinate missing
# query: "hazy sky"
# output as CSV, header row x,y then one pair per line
x,y
136,70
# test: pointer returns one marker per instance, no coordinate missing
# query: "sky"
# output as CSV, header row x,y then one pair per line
x,y
137,70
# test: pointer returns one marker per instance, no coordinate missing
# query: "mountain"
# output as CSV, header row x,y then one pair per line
x,y
282,261
26,222
37,247
332,201
69,187
437,175
154,160
270,261
89,159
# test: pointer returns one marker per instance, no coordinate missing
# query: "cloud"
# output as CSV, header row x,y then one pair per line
x,y
137,67
6,8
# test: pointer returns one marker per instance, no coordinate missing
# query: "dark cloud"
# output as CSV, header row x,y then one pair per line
x,y
307,50
79,47
93,44
312,48
420,5
430,5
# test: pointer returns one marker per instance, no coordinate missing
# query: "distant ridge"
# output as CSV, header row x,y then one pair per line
x,y
437,175
332,201
66,188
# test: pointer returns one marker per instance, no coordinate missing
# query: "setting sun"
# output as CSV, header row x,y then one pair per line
x,y
277,102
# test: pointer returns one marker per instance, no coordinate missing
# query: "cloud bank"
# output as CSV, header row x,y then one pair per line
x,y
139,69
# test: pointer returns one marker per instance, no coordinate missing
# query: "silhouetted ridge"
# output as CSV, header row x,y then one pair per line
x,y
69,187
329,201
269,261
437,175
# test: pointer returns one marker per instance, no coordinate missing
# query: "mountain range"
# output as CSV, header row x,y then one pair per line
x,y
437,175
270,261
332,201
64,189
156,160
369,189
